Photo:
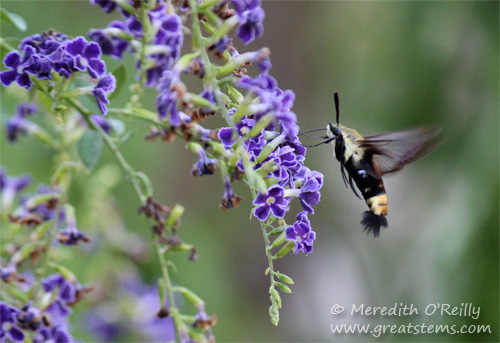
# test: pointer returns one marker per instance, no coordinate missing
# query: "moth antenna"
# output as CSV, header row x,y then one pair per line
x,y
336,101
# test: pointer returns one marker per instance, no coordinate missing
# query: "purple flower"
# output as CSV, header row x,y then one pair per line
x,y
229,199
8,323
45,53
286,161
86,56
7,273
105,85
40,66
259,84
41,52
107,5
226,136
68,293
29,318
152,327
103,123
251,16
108,40
309,193
205,165
106,327
70,235
10,186
273,201
52,282
33,213
221,45
44,44
168,40
57,333
17,70
208,94
18,125
254,145
51,52
170,90
301,233
166,46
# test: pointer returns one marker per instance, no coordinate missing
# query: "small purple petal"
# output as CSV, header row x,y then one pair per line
x,y
278,211
262,212
8,76
92,51
76,46
226,136
15,334
12,60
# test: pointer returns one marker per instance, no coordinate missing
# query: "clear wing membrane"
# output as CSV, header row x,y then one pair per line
x,y
393,150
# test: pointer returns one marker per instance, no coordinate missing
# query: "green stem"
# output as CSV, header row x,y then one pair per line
x,y
174,311
200,43
127,169
144,42
148,116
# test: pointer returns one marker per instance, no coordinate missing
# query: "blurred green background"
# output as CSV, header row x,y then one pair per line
x,y
395,65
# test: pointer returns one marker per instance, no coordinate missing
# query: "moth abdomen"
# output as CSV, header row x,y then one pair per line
x,y
373,192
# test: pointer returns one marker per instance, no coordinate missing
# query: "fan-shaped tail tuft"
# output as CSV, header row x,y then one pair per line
x,y
372,223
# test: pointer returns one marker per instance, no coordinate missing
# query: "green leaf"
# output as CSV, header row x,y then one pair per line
x,y
118,126
7,45
14,19
89,148
121,75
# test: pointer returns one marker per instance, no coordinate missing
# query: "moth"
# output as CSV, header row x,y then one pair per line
x,y
365,160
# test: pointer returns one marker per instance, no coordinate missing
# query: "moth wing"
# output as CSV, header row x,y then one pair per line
x,y
393,150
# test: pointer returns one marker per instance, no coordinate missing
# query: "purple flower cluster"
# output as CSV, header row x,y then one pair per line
x,y
165,48
41,55
14,322
277,151
170,91
9,326
250,16
18,124
51,52
68,293
109,322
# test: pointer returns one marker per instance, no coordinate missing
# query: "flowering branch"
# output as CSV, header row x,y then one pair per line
x,y
259,146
